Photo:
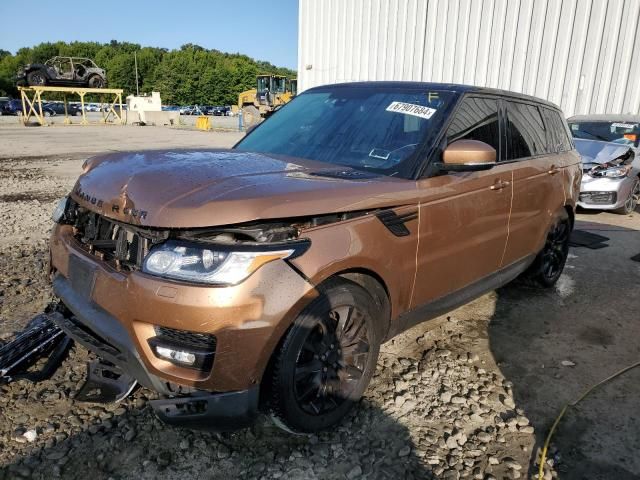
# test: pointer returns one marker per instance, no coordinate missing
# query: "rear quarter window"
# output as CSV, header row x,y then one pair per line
x,y
559,137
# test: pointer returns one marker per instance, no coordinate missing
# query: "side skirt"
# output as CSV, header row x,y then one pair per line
x,y
458,298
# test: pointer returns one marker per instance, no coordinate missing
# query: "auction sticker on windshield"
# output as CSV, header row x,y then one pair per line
x,y
411,109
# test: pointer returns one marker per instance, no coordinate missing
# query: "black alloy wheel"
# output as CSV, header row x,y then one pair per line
x,y
326,359
332,360
549,264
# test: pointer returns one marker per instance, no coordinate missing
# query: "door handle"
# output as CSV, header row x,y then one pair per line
x,y
499,185
553,170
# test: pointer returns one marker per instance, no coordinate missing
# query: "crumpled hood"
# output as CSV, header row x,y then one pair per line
x,y
597,152
203,188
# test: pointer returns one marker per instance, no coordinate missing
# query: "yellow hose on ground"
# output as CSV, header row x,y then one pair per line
x,y
547,441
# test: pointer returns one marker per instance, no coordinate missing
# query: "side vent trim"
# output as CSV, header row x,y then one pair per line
x,y
396,223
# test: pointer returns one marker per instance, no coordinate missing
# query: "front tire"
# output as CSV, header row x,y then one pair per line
x,y
546,269
326,359
631,202
36,78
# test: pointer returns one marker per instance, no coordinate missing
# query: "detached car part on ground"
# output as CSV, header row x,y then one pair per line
x,y
265,278
611,179
63,71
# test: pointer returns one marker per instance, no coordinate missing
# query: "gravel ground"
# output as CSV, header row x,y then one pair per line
x,y
468,395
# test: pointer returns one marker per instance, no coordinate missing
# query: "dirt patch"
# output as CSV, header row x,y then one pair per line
x,y
29,196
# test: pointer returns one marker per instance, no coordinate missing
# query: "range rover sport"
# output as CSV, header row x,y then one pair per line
x,y
266,276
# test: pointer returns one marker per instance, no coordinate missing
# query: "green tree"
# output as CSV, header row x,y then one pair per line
x,y
186,76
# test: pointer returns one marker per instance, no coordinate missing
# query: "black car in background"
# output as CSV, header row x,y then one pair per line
x,y
58,108
14,107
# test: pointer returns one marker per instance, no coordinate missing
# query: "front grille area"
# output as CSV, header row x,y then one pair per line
x,y
599,198
188,339
120,245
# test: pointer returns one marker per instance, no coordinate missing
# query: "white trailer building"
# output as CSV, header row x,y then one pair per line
x,y
583,55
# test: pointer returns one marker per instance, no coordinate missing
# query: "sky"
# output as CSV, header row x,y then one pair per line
x,y
265,30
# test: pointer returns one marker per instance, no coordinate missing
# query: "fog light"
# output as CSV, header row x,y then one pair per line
x,y
180,356
183,348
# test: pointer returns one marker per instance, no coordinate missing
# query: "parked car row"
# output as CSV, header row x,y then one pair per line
x,y
14,107
214,110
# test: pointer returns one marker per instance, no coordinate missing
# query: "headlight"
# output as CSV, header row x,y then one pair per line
x,y
211,265
60,209
616,172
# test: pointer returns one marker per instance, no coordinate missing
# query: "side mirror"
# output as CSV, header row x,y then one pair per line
x,y
468,156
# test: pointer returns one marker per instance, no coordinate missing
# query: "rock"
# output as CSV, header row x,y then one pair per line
x,y
483,437
184,444
30,435
508,402
130,435
433,460
164,459
494,460
527,429
223,452
404,451
567,363
511,463
445,397
355,472
452,443
456,400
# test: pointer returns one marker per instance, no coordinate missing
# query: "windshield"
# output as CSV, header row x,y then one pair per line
x,y
626,133
368,128
262,83
279,84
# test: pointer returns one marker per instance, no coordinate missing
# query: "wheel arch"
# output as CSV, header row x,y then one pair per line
x,y
365,278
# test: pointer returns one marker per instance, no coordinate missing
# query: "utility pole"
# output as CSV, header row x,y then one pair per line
x,y
135,59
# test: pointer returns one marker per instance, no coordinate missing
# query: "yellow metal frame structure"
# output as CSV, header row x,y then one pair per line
x,y
32,99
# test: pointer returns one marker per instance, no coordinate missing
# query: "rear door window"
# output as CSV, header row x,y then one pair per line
x,y
526,135
476,119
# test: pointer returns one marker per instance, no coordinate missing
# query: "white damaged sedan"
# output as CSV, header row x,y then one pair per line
x,y
611,176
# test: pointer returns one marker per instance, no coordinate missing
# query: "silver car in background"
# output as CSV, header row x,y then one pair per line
x,y
611,176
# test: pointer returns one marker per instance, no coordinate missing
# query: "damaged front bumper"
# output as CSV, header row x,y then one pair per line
x,y
99,332
604,193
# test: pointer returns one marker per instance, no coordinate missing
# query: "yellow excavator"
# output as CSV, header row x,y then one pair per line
x,y
271,92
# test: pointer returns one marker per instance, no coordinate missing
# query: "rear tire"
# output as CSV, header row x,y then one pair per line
x,y
631,202
96,81
325,360
546,269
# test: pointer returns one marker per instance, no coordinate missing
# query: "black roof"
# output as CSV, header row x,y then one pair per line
x,y
455,87
606,117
